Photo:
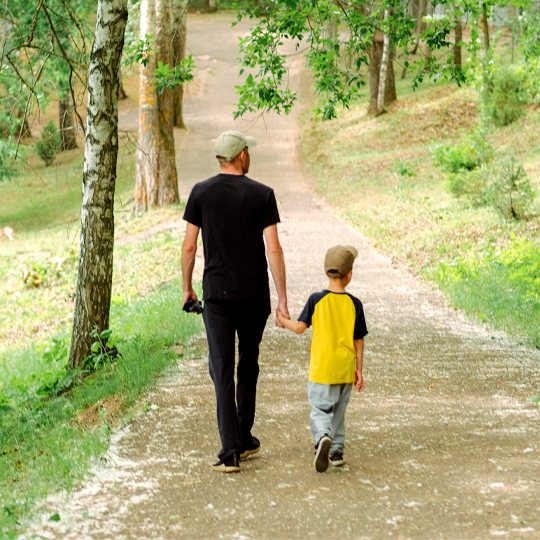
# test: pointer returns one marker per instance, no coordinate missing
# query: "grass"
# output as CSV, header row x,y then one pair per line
x,y
43,448
379,174
44,445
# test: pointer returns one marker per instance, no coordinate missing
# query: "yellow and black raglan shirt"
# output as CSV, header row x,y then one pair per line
x,y
337,320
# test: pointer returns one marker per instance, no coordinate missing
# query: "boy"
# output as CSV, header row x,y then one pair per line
x,y
337,353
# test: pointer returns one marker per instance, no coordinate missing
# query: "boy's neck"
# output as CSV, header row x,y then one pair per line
x,y
336,285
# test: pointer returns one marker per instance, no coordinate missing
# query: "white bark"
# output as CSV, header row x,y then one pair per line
x,y
384,67
94,282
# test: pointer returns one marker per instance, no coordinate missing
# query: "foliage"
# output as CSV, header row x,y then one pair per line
x,y
507,94
8,165
467,155
336,61
502,286
139,52
509,192
103,350
49,145
42,446
167,77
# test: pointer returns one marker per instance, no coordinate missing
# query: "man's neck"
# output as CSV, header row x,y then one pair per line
x,y
230,168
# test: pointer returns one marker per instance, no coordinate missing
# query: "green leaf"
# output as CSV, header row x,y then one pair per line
x,y
55,517
96,347
106,334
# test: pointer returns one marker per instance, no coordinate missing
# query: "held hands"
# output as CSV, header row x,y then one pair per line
x,y
282,313
359,381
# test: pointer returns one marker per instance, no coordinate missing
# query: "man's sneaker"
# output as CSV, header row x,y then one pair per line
x,y
321,461
250,449
231,464
337,459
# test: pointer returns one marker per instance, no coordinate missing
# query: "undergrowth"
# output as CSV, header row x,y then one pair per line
x,y
380,175
43,448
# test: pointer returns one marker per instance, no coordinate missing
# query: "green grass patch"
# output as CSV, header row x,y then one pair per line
x,y
380,175
42,447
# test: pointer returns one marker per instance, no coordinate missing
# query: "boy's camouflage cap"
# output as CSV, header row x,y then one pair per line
x,y
339,261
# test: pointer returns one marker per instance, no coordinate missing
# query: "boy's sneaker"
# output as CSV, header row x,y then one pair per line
x,y
337,459
228,465
250,449
321,461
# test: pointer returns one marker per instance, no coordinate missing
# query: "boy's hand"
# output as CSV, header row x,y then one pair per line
x,y
359,381
280,317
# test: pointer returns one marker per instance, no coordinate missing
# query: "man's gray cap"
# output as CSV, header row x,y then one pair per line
x,y
230,143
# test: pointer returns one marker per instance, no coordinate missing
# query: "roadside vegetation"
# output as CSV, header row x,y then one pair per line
x,y
55,421
431,185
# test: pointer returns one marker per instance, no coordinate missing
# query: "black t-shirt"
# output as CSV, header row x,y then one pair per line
x,y
232,212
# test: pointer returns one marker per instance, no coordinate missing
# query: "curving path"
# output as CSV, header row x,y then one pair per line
x,y
443,443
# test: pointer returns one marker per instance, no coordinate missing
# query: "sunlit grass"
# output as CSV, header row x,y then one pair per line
x,y
380,175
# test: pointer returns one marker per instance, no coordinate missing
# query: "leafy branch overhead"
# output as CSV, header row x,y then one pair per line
x,y
337,38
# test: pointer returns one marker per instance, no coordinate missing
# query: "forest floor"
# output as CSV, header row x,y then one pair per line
x,y
443,442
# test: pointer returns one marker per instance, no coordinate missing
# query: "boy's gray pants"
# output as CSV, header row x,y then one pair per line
x,y
328,403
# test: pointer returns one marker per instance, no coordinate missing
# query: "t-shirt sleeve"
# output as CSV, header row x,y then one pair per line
x,y
192,213
271,213
307,312
360,328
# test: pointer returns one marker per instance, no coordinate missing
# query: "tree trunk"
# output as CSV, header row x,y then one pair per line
x,y
121,92
212,6
374,74
167,182
66,113
156,179
458,35
484,19
94,281
422,4
147,148
179,52
384,68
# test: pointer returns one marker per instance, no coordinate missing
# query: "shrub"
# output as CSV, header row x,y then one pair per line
x,y
507,95
8,166
510,192
467,155
49,144
471,184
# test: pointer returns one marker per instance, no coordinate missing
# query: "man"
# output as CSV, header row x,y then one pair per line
x,y
234,214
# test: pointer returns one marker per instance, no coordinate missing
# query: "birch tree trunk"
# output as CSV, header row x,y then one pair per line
x,y
66,121
374,75
212,6
384,68
167,182
147,148
94,281
179,52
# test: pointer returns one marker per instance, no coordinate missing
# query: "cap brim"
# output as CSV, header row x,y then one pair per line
x,y
353,251
250,141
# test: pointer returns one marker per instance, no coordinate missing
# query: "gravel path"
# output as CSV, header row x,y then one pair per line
x,y
443,443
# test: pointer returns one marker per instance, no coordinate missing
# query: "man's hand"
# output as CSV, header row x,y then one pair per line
x,y
190,295
359,381
283,311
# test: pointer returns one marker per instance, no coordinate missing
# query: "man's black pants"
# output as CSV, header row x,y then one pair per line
x,y
223,320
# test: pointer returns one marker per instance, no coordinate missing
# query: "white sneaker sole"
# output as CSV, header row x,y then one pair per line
x,y
322,460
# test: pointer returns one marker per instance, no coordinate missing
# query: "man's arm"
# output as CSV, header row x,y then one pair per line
x,y
277,267
359,346
189,250
298,327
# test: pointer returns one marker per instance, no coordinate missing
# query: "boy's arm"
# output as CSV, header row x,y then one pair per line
x,y
298,327
359,346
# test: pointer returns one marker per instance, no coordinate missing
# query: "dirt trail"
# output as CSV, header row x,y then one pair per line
x,y
443,443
